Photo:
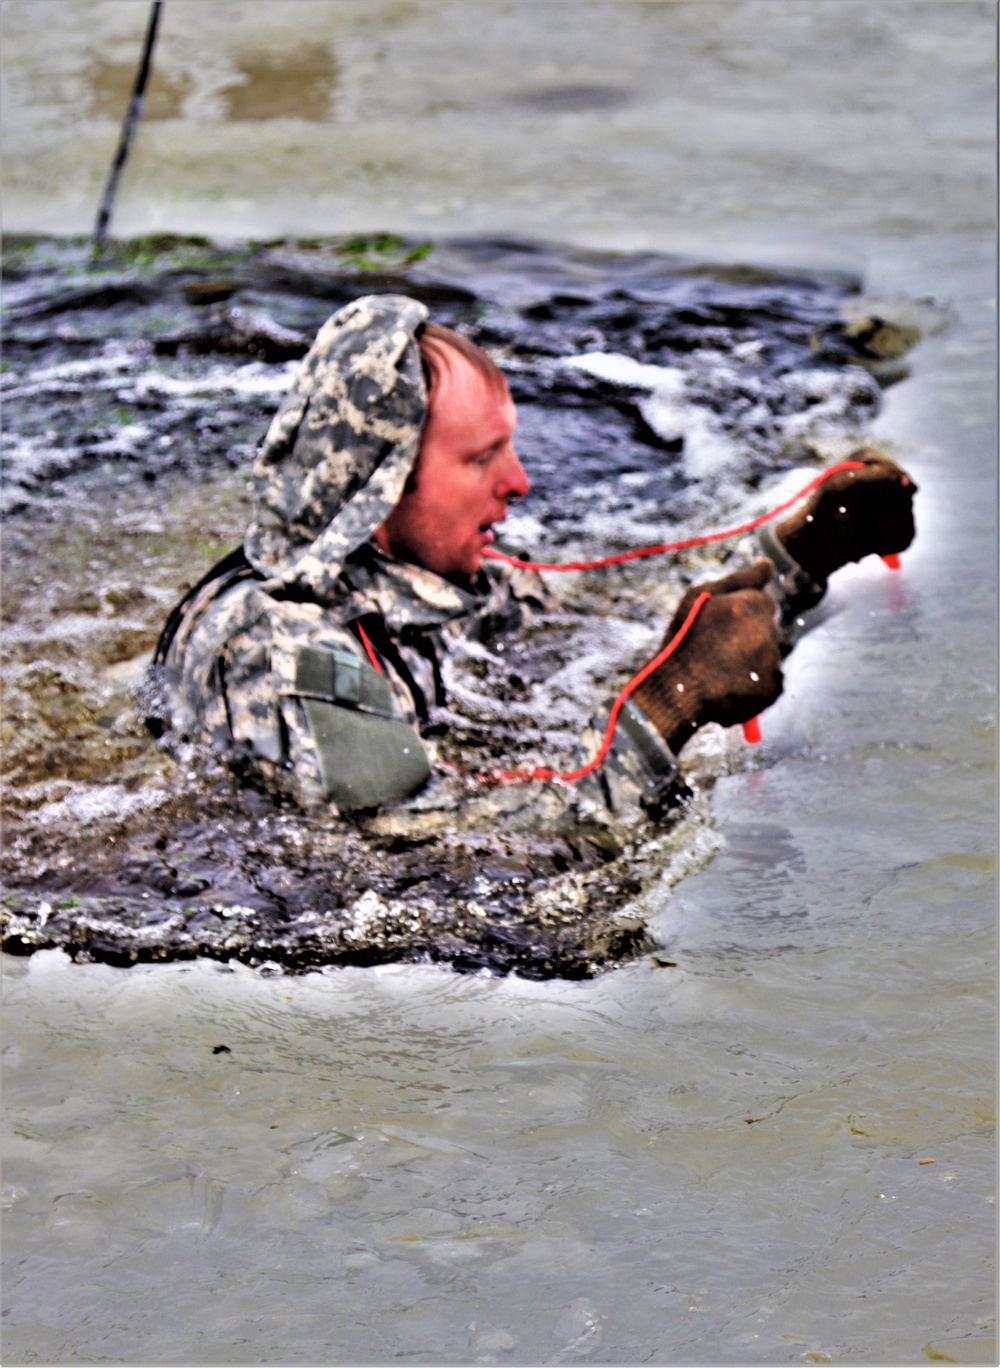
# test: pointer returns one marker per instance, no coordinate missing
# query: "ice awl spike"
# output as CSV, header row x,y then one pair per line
x,y
893,561
751,731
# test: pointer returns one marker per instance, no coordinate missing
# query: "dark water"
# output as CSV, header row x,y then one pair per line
x,y
136,390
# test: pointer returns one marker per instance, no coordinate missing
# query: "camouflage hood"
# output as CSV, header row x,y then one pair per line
x,y
338,452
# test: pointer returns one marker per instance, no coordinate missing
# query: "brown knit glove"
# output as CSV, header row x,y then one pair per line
x,y
853,514
728,667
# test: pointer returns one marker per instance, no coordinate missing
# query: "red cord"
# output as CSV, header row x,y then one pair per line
x,y
525,772
663,547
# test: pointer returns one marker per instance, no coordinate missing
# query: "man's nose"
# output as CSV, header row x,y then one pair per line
x,y
514,483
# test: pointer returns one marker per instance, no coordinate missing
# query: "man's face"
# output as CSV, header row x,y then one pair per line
x,y
465,473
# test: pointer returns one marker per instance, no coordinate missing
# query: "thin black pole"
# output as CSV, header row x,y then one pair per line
x,y
128,126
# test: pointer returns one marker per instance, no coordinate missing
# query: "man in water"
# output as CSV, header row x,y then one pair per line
x,y
314,653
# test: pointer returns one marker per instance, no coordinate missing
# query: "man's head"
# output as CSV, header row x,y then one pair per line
x,y
466,471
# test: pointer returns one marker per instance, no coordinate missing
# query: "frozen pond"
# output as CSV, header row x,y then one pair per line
x,y
721,1159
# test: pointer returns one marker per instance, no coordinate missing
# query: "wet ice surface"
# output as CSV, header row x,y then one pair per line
x,y
656,397
702,1164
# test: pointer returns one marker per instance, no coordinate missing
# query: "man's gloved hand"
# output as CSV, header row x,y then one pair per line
x,y
853,514
728,667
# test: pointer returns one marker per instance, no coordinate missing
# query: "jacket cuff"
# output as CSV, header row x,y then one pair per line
x,y
641,761
794,588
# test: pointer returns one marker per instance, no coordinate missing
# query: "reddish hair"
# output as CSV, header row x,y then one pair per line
x,y
434,342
